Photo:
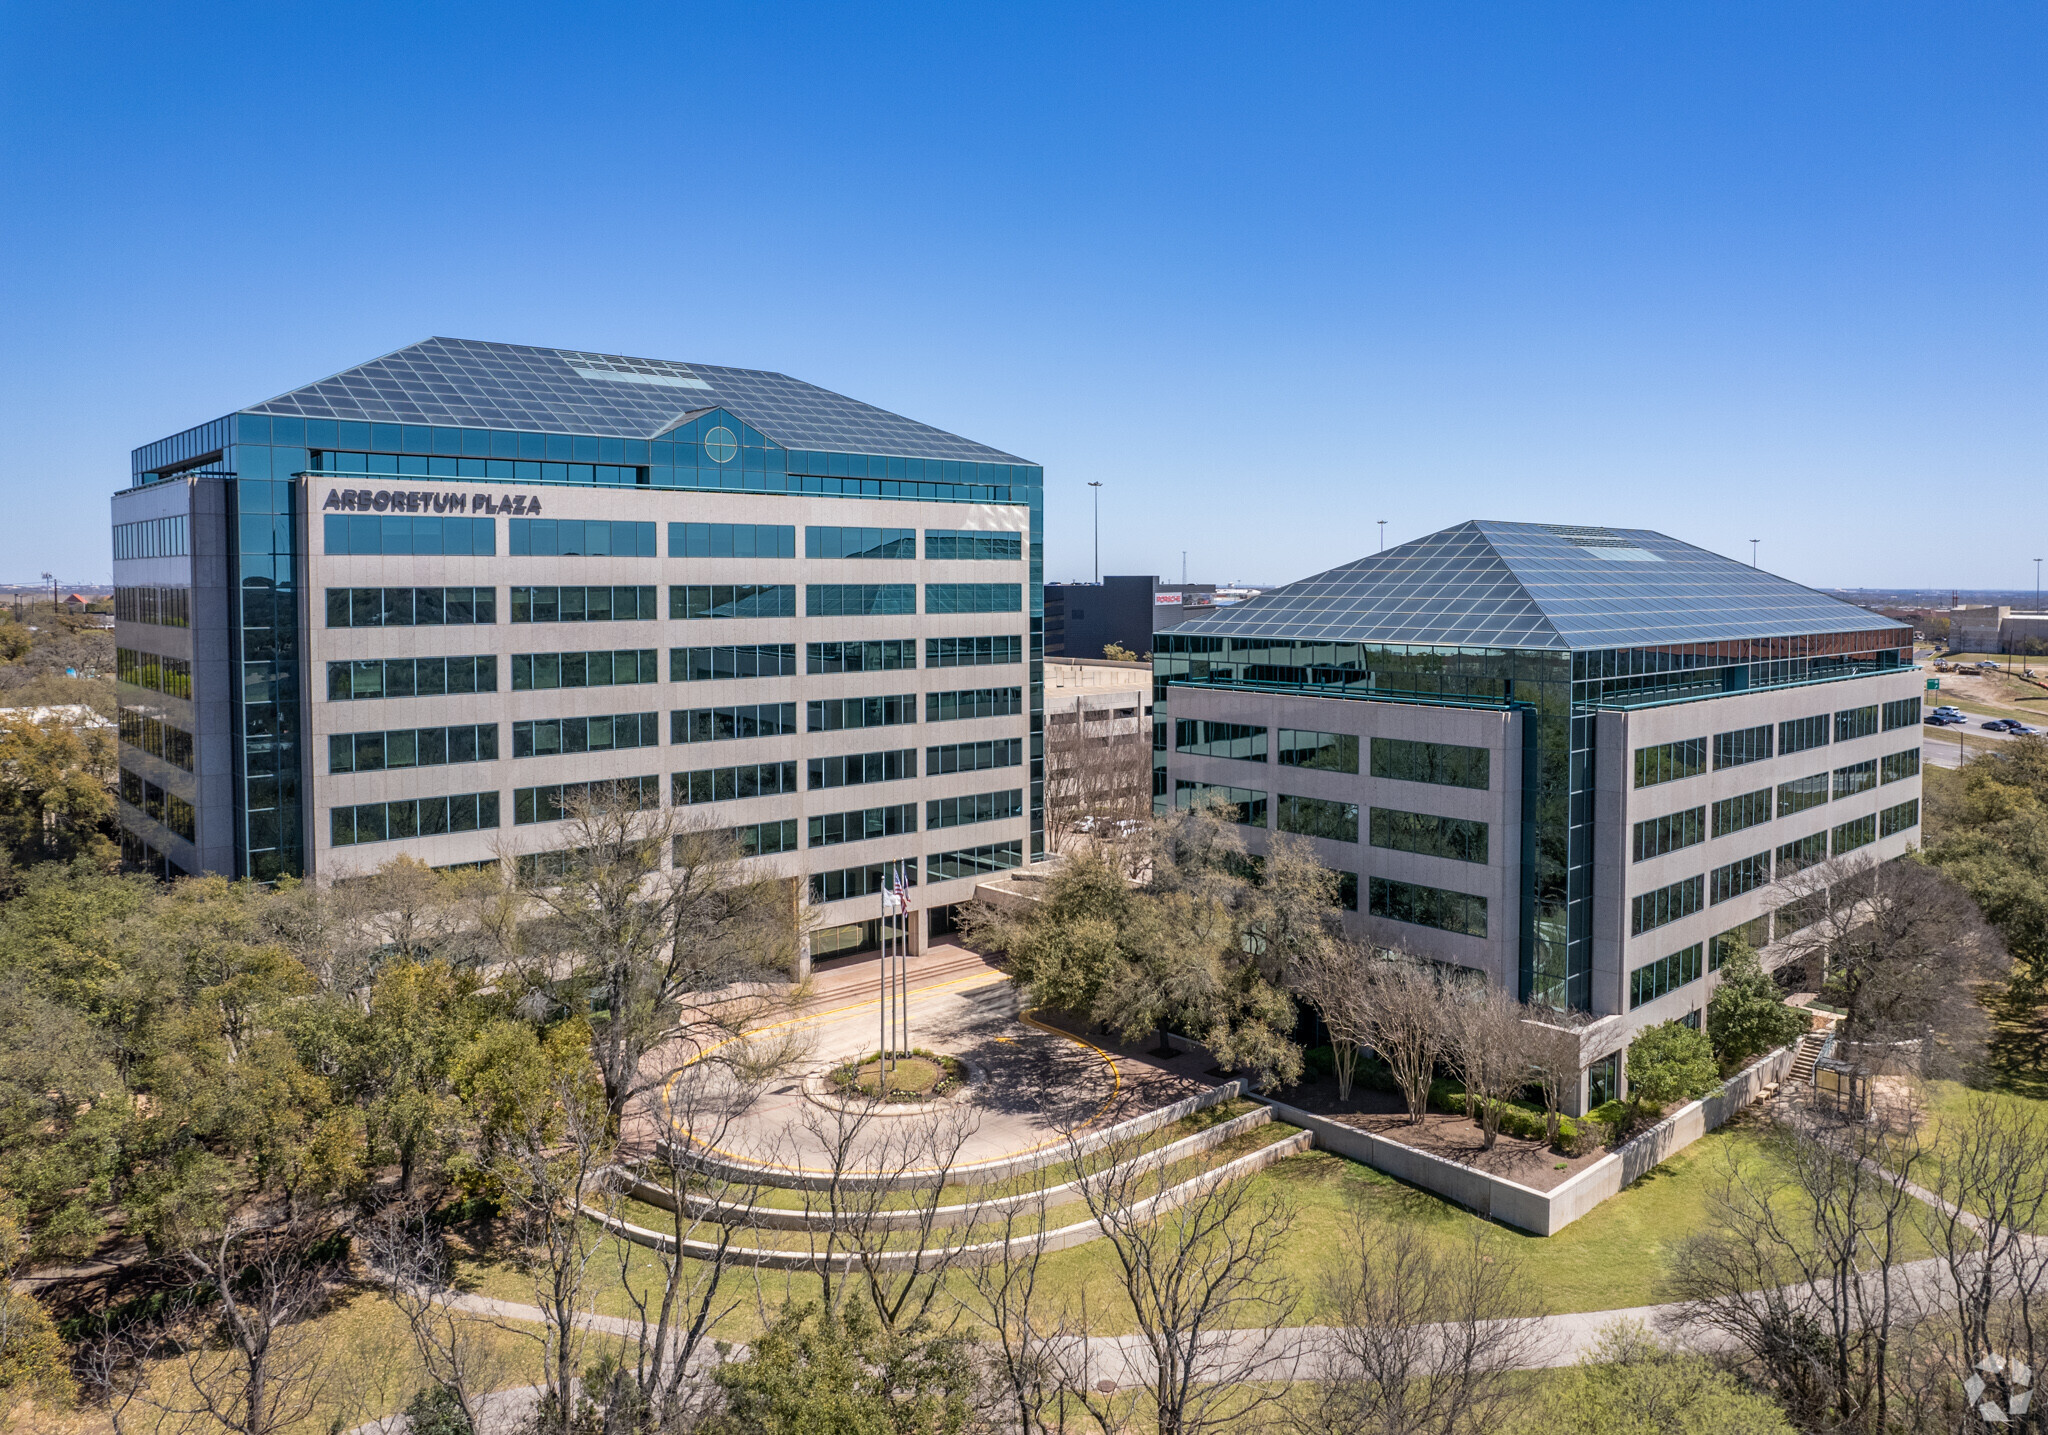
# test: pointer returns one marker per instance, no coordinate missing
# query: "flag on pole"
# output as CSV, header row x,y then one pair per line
x,y
902,895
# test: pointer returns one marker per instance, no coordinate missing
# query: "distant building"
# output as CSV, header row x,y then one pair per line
x,y
74,603
1994,630
1098,749
1081,619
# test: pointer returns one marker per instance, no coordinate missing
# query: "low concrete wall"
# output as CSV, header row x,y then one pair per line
x,y
977,1253
1542,1213
782,1218
748,1173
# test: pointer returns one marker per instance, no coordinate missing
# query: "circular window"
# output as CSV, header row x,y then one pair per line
x,y
720,446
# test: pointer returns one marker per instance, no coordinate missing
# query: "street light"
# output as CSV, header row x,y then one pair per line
x,y
1098,528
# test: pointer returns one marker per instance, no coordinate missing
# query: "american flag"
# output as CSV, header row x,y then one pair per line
x,y
902,896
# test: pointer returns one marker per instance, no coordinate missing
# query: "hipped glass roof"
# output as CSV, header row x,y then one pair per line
x,y
465,383
1535,585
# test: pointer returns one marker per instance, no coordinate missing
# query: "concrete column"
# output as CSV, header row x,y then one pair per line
x,y
919,922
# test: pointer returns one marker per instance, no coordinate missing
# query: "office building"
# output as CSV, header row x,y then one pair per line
x,y
420,605
1081,619
1577,760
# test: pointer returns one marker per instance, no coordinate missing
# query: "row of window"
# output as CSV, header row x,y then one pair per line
x,y
556,736
413,817
550,802
163,607
1680,899
1655,836
412,607
412,747
535,672
1671,761
367,678
165,806
1399,759
395,534
1460,839
763,540
578,537
153,538
156,736
170,676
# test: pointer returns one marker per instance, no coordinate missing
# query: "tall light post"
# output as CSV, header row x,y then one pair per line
x,y
52,581
1098,528
1383,535
1752,551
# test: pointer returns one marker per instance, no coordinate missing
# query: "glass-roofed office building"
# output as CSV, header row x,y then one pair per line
x,y
420,605
1577,759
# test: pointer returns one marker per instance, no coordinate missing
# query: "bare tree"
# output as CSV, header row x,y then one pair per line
x,y
1902,948
657,913
1551,1046
1098,774
1800,1271
1025,1335
1429,1335
1199,1268
1407,1024
1338,981
410,1259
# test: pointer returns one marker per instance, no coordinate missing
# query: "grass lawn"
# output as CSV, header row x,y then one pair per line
x,y
1614,1257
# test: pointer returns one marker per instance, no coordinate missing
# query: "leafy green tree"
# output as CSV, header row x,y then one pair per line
x,y
825,1372
1628,1384
63,1115
67,932
1669,1062
1747,1017
56,792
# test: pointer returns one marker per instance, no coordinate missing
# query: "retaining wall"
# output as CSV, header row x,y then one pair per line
x,y
1543,1213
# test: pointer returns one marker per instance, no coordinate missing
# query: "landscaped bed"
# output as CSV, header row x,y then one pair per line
x,y
915,1075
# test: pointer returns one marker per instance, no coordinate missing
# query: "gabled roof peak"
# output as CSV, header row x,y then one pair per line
x,y
1560,587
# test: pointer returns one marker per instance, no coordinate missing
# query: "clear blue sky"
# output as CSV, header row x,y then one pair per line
x,y
1269,273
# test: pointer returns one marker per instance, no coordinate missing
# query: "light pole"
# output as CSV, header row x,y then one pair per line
x,y
1383,535
51,580
1098,528
1752,551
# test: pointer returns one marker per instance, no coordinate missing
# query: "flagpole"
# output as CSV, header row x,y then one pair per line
x,y
882,1005
903,904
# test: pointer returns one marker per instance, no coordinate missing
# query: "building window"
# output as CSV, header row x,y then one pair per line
x,y
155,736
413,817
1903,713
1898,819
834,714
733,723
412,747
1802,793
1744,745
973,756
862,824
1323,751
736,660
1851,723
954,544
1665,905
974,861
974,598
1603,1080
1317,817
390,534
412,607
1855,778
170,676
160,607
859,600
1802,853
1736,878
551,802
1848,836
1455,837
1733,814
1655,836
1670,761
973,703
764,839
1422,906
1247,807
1666,974
551,737
861,767
1347,891
730,784
973,652
534,672
887,655
1755,934
976,807
622,604
1802,734
1443,763
732,540
411,677
732,600
860,543
1219,739
579,537
153,538
1898,766
869,881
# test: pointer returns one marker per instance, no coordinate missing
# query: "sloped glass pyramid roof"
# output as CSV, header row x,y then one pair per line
x,y
465,383
1536,585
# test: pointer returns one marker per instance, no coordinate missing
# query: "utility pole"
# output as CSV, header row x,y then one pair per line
x,y
1752,551
1098,528
1383,535
1184,569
